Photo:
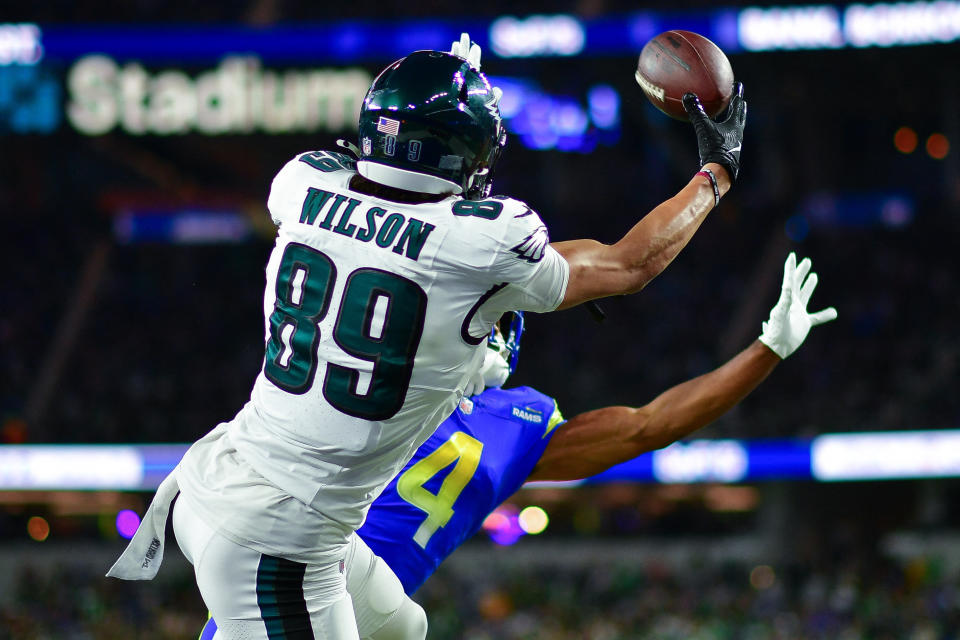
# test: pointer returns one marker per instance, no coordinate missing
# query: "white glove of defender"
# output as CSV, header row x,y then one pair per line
x,y
789,321
467,50
470,52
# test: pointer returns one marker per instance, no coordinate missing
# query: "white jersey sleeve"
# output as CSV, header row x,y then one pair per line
x,y
529,274
535,272
281,194
285,201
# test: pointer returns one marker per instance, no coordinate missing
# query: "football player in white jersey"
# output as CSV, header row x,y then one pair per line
x,y
388,273
386,563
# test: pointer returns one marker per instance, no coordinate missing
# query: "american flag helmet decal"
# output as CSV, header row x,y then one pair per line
x,y
388,126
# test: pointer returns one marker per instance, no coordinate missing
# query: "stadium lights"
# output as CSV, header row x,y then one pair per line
x,y
813,27
792,27
503,525
902,23
71,467
538,35
701,461
127,522
762,577
938,146
20,44
181,226
859,25
38,528
545,121
886,455
533,520
905,140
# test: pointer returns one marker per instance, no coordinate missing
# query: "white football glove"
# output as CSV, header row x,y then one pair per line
x,y
467,50
474,384
496,368
493,372
789,321
470,51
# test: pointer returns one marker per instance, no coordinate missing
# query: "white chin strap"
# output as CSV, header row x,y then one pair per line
x,y
406,180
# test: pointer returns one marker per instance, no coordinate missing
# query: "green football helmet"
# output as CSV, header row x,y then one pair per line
x,y
431,123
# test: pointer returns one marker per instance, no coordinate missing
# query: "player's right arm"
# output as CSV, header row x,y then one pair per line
x,y
594,441
598,270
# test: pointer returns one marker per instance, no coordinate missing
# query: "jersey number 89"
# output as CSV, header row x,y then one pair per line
x,y
388,339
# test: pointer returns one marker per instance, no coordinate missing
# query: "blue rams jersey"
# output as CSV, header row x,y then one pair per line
x,y
476,459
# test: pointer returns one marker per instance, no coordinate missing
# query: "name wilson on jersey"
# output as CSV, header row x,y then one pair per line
x,y
406,235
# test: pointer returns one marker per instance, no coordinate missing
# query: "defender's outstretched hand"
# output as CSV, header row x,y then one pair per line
x,y
594,441
470,51
790,322
719,141
467,50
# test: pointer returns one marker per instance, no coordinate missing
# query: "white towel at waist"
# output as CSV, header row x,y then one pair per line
x,y
143,555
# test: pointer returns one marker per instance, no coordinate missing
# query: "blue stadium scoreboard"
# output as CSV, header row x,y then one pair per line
x,y
831,457
145,79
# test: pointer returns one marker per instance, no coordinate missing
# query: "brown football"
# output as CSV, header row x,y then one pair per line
x,y
676,62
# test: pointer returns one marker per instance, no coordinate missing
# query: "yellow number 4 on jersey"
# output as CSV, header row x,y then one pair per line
x,y
460,448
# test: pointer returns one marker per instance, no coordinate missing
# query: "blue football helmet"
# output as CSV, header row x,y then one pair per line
x,y
508,342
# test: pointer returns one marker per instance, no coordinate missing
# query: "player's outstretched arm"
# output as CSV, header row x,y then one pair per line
x,y
598,270
597,440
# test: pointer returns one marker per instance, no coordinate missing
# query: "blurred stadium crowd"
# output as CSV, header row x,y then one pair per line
x,y
694,602
539,600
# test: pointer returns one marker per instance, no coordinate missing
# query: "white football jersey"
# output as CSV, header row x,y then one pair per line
x,y
374,311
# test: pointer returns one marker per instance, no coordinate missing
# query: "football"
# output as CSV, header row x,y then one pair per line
x,y
676,62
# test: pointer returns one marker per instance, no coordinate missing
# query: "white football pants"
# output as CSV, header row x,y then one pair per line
x,y
253,596
383,611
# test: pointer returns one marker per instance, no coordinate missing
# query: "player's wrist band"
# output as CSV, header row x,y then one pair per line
x,y
713,182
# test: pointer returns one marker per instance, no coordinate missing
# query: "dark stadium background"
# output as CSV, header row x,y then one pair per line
x,y
156,342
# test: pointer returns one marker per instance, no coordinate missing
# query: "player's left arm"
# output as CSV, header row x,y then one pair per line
x,y
594,441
